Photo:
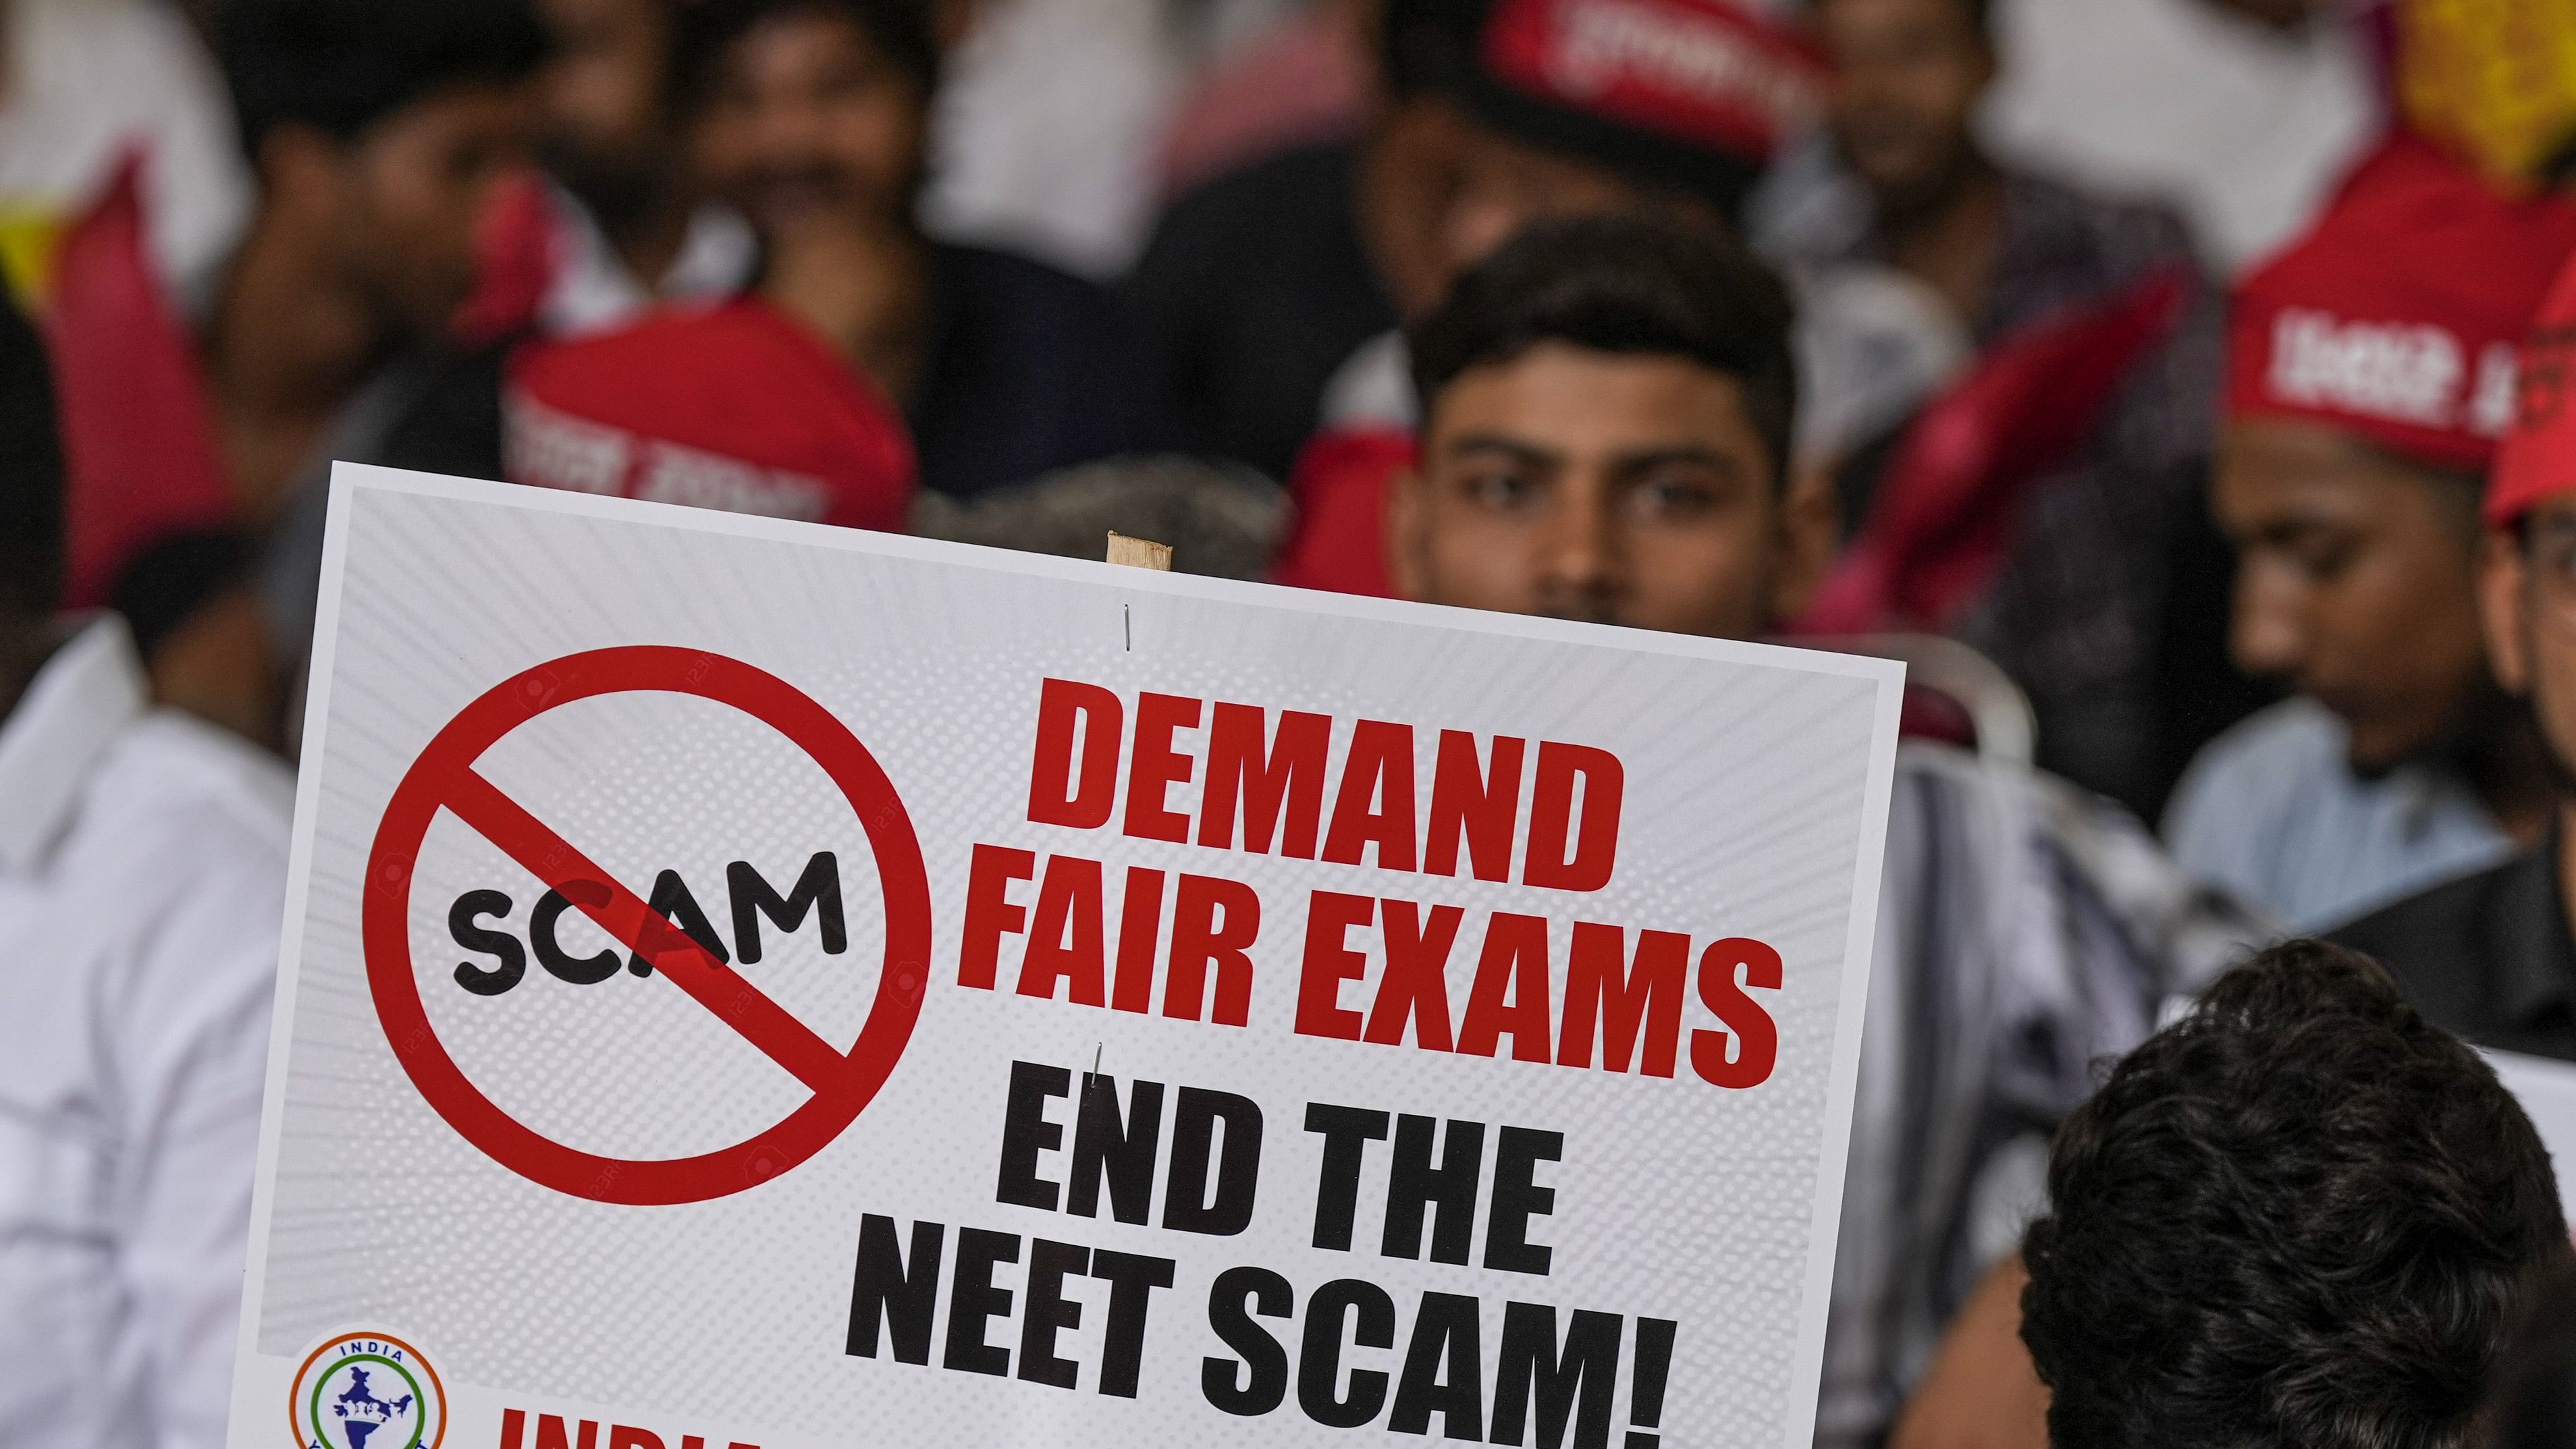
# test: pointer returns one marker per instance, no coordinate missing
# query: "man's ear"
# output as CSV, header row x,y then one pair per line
x,y
1408,528
2504,608
1809,525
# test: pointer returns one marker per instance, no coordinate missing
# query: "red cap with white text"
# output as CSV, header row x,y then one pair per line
x,y
2538,458
734,407
2398,316
1694,94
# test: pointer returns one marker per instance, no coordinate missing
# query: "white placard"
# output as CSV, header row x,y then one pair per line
x,y
751,983
2546,1088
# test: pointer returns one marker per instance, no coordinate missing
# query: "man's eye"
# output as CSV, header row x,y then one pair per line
x,y
1498,489
2322,558
2553,555
1672,498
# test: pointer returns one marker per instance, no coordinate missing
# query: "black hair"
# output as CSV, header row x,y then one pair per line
x,y
1427,45
340,66
2531,1401
31,472
1623,284
900,30
163,586
2297,1217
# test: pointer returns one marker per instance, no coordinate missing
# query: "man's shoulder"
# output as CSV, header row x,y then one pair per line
x,y
1989,816
2296,734
986,266
2036,879
172,787
2434,926
2281,753
2462,951
1937,769
2130,231
1002,289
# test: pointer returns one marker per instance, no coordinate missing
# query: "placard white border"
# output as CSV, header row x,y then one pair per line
x,y
350,479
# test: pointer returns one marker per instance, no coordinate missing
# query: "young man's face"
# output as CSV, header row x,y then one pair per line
x,y
807,120
1906,78
605,127
2356,582
2528,587
1618,488
403,199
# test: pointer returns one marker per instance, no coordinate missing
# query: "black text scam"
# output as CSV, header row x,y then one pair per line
x,y
817,890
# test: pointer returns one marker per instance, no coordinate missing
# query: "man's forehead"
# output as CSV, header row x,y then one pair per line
x,y
795,38
1568,406
2308,455
1568,391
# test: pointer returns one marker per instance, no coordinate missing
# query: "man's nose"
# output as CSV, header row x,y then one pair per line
x,y
2267,634
1581,569
791,133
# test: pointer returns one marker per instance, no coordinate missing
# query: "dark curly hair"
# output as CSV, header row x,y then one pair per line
x,y
2531,1400
2297,1217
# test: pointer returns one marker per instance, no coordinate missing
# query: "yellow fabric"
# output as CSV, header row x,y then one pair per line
x,y
2494,80
29,237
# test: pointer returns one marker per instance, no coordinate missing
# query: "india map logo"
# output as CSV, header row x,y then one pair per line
x,y
367,1391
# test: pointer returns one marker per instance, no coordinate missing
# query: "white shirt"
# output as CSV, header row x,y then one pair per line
x,y
592,291
2272,811
89,78
1043,134
142,877
2243,129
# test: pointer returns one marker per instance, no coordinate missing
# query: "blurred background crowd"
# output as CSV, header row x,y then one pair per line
x,y
924,264
2136,369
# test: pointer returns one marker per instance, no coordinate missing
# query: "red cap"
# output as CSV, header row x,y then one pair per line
x,y
735,407
2538,458
1676,89
2398,315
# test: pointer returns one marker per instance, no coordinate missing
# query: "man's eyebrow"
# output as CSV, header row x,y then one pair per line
x,y
1514,448
2296,524
1684,454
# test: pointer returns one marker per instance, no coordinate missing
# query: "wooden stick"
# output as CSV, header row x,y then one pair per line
x,y
1139,553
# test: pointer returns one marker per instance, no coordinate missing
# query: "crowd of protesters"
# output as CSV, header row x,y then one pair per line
x,y
2200,365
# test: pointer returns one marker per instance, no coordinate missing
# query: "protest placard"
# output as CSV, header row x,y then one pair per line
x,y
750,983
2546,1088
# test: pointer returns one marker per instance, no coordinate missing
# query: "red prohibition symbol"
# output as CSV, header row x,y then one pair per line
x,y
842,1082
